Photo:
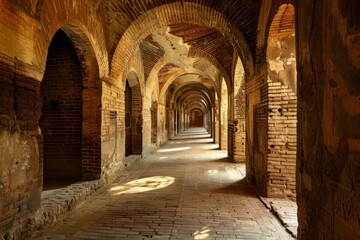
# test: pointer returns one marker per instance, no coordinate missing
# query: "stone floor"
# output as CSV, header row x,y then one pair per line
x,y
184,190
286,211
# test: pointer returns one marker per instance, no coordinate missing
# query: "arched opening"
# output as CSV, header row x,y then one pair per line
x,y
282,104
224,102
196,118
133,116
61,120
153,113
128,113
237,115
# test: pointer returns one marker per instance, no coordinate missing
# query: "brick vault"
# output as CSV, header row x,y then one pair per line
x,y
87,85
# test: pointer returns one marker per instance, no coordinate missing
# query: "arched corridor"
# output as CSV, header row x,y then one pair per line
x,y
185,190
99,95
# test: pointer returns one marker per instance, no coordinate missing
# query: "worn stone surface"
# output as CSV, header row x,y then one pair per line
x,y
285,210
329,157
186,190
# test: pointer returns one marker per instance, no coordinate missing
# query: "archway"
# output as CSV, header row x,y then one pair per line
x,y
237,114
199,15
282,104
224,104
133,116
61,121
196,118
154,118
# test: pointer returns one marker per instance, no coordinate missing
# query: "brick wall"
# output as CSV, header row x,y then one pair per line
x,y
61,120
239,123
281,141
128,119
20,143
137,120
154,124
274,153
112,130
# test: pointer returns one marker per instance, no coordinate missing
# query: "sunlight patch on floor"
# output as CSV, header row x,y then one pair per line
x,y
143,185
203,233
174,149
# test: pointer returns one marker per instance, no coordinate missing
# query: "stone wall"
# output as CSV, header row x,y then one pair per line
x,y
136,121
260,159
328,130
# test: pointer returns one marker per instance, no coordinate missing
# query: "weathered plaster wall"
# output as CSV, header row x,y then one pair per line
x,y
20,143
328,166
19,177
281,58
282,119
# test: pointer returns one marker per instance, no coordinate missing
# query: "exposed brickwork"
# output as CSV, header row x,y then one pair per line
x,y
133,118
238,115
20,178
112,131
281,151
137,121
110,31
61,120
132,35
128,120
154,122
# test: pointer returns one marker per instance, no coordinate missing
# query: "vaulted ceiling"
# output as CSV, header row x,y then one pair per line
x,y
192,52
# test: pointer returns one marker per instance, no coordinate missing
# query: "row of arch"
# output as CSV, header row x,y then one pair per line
x,y
221,109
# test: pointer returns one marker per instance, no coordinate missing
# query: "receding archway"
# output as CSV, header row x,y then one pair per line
x,y
196,118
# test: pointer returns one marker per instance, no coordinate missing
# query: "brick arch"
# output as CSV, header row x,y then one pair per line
x,y
173,13
194,95
206,58
135,67
276,117
203,57
180,73
213,61
82,20
194,101
133,115
186,91
91,101
267,13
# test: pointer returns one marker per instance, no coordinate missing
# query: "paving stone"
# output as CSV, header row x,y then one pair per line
x,y
192,194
